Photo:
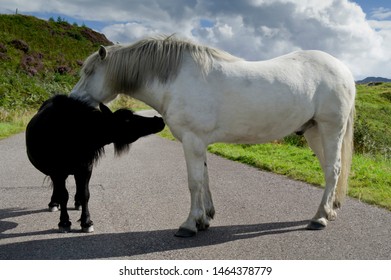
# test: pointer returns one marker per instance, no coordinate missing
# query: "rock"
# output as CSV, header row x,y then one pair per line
x,y
20,45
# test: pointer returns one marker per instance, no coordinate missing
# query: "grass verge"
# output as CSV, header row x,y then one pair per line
x,y
13,123
370,179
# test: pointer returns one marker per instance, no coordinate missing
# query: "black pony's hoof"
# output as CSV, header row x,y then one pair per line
x,y
54,207
64,227
184,232
87,227
315,226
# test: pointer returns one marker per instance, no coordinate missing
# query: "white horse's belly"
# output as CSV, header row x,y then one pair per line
x,y
237,119
261,115
255,127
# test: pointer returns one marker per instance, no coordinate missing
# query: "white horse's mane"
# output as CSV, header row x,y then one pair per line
x,y
131,66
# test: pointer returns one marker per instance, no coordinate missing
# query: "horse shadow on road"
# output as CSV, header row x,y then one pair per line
x,y
76,245
12,213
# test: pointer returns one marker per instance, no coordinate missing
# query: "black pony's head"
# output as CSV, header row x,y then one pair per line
x,y
126,127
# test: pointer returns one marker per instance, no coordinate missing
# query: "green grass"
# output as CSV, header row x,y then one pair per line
x,y
370,179
294,162
8,129
372,133
13,123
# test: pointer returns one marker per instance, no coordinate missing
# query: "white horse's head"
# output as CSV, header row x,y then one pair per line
x,y
92,86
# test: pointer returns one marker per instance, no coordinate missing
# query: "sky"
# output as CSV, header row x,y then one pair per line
x,y
358,33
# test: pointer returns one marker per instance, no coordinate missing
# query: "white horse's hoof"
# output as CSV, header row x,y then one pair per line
x,y
87,229
210,213
316,225
202,226
184,232
332,216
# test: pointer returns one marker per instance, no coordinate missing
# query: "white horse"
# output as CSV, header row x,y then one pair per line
x,y
206,95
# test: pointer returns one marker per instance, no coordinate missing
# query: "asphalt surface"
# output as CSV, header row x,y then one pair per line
x,y
139,200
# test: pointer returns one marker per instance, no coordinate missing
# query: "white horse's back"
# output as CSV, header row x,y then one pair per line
x,y
281,94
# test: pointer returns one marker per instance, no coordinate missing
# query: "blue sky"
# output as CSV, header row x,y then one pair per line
x,y
369,5
253,29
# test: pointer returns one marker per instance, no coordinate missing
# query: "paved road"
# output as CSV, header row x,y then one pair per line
x,y
139,200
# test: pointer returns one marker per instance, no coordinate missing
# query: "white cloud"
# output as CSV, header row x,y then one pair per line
x,y
252,29
381,13
131,31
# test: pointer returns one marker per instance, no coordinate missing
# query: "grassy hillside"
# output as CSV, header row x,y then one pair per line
x,y
373,120
37,59
47,46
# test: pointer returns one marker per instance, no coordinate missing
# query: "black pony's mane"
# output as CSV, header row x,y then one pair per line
x,y
64,102
121,147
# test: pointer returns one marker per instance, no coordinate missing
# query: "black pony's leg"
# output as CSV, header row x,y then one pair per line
x,y
77,200
82,179
59,189
54,204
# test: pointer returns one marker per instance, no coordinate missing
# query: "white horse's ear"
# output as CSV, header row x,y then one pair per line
x,y
102,52
104,109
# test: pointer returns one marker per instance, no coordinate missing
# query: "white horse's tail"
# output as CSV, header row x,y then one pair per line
x,y
346,161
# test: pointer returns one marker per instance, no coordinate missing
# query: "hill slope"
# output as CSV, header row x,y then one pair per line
x,y
39,58
373,80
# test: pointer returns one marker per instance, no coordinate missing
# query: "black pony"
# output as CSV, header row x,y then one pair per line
x,y
67,136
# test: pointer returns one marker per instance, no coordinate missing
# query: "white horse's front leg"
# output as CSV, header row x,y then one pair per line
x,y
195,155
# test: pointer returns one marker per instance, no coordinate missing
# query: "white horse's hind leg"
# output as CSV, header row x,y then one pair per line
x,y
195,155
314,140
332,138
